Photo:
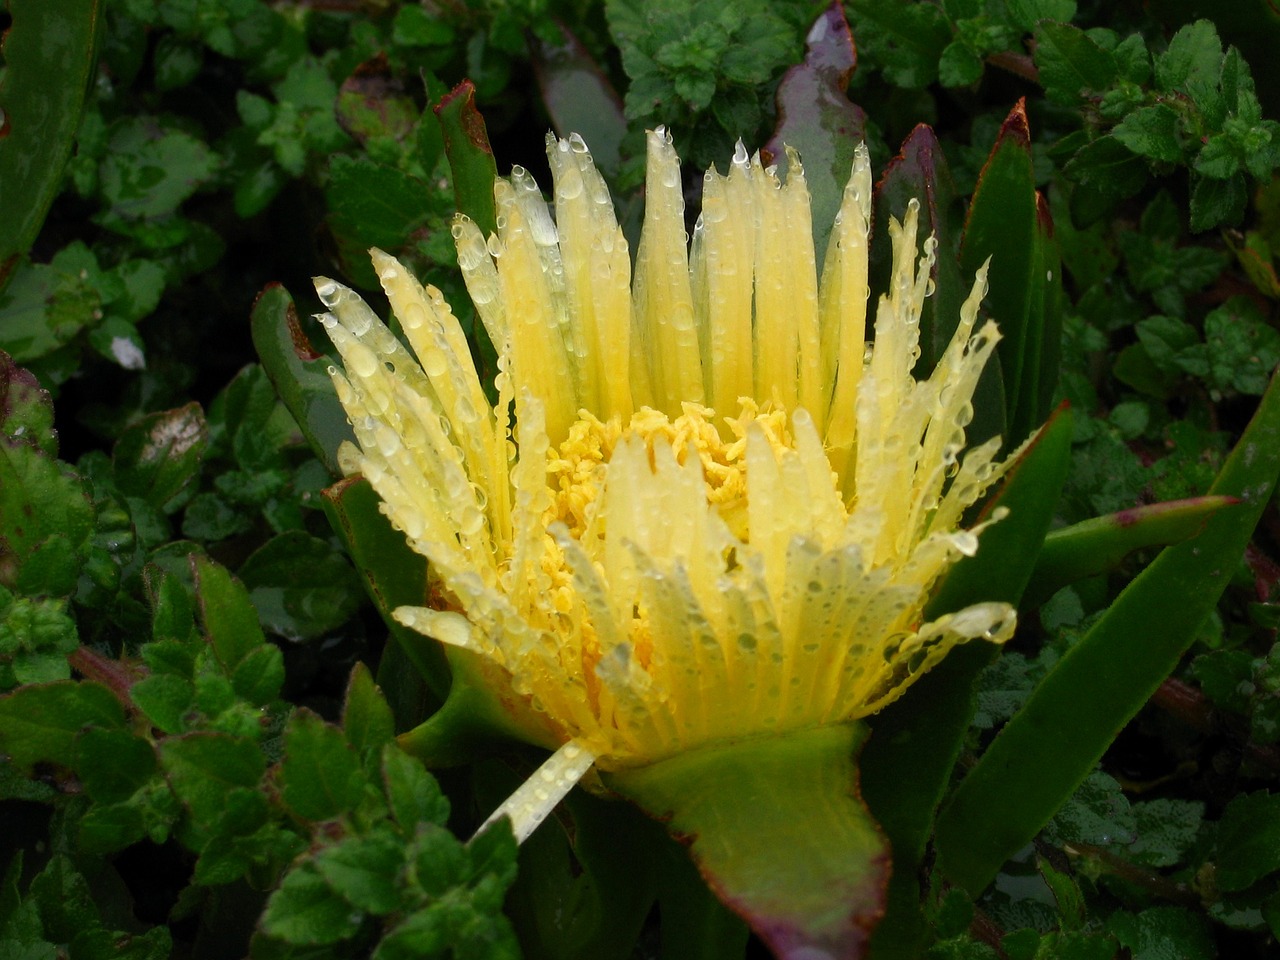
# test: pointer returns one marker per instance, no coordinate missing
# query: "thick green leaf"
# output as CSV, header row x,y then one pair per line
x,y
49,55
466,144
579,97
1098,545
816,117
320,776
1079,708
158,458
394,575
920,172
41,722
909,757
301,586
299,373
1008,224
777,828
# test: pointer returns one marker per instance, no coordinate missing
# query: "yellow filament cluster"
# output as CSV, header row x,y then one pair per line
x,y
719,512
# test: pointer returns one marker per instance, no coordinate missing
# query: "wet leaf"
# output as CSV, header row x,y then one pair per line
x,y
1079,708
158,458
816,117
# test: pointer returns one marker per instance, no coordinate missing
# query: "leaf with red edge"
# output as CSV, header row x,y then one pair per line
x,y
1095,546
777,828
817,119
26,409
579,97
1009,223
466,144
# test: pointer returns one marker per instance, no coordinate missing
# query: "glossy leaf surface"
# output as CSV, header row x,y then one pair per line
x,y
49,55
914,744
1049,747
816,117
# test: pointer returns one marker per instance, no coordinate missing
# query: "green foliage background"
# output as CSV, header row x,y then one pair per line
x,y
201,765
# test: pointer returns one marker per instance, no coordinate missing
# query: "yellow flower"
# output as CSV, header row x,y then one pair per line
x,y
719,513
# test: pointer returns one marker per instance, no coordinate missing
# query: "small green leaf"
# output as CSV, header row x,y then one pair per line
x,y
158,458
1151,132
776,826
230,620
165,700
203,767
1248,840
260,675
1193,61
366,717
412,793
149,170
438,861
113,764
41,722
305,910
365,871
26,409
1163,932
320,776
1216,202
40,498
1071,63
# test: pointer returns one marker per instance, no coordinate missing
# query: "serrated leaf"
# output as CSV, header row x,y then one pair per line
x,y
1215,202
365,871
26,409
113,764
1161,932
158,458
40,498
49,54
230,620
1028,13
412,793
304,909
41,722
777,828
260,675
366,717
1193,61
320,775
203,767
165,700
1151,132
1071,63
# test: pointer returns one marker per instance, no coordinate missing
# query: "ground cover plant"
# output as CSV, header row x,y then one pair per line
x,y
218,739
